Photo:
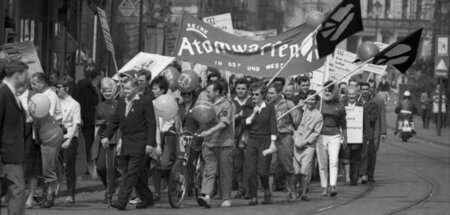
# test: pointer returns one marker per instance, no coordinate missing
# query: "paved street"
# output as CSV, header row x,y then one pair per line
x,y
411,177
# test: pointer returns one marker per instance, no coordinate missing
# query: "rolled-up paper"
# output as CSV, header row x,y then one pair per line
x,y
270,150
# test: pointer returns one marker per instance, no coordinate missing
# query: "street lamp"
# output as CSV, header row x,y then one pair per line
x,y
377,6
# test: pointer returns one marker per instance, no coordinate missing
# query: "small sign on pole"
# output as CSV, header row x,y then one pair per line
x,y
441,66
440,72
222,22
127,8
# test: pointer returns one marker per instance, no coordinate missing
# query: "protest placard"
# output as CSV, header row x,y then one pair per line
x,y
222,22
151,62
25,52
354,119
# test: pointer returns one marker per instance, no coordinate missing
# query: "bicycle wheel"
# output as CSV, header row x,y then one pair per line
x,y
178,181
198,178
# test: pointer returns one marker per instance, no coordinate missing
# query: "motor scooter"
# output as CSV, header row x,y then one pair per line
x,y
405,125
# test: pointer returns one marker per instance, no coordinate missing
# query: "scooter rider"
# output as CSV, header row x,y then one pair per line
x,y
405,110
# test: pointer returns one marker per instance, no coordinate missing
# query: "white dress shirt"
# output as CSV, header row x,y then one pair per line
x,y
71,116
55,105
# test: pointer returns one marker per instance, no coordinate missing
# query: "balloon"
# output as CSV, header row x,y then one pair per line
x,y
39,105
203,112
171,75
51,134
314,19
367,50
166,107
188,81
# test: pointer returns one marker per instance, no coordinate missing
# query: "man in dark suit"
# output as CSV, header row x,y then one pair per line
x,y
12,135
88,94
136,119
374,131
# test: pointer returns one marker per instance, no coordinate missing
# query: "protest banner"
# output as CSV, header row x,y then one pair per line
x,y
354,119
146,61
201,43
25,52
222,22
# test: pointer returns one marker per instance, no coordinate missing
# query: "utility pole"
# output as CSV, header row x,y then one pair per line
x,y
2,21
141,26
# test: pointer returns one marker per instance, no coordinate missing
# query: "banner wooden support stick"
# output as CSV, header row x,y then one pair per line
x,y
289,60
370,76
114,61
178,34
334,82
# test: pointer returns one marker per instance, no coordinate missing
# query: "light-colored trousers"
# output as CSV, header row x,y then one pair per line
x,y
327,149
218,162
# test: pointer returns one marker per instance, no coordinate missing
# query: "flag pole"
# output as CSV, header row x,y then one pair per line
x,y
334,82
179,32
292,56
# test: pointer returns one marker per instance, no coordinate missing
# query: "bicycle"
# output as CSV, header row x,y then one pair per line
x,y
179,178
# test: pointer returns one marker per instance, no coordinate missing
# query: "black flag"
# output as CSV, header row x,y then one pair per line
x,y
400,54
344,21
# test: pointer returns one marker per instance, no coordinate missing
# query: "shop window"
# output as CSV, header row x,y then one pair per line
x,y
27,30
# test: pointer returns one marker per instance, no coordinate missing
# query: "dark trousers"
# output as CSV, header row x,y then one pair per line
x,y
425,117
368,159
13,180
191,165
240,172
355,161
69,158
443,119
107,175
257,164
135,176
89,134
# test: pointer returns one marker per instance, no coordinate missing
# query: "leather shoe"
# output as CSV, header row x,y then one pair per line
x,y
253,202
47,204
118,206
204,201
267,198
144,204
49,201
364,179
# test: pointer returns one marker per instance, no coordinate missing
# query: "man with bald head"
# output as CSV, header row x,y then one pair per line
x,y
351,155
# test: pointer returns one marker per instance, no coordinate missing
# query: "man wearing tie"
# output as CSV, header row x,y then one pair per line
x,y
12,135
136,119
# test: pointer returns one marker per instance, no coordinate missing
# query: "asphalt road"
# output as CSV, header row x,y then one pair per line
x,y
411,178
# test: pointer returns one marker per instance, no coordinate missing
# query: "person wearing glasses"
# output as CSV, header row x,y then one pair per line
x,y
262,124
71,120
188,123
